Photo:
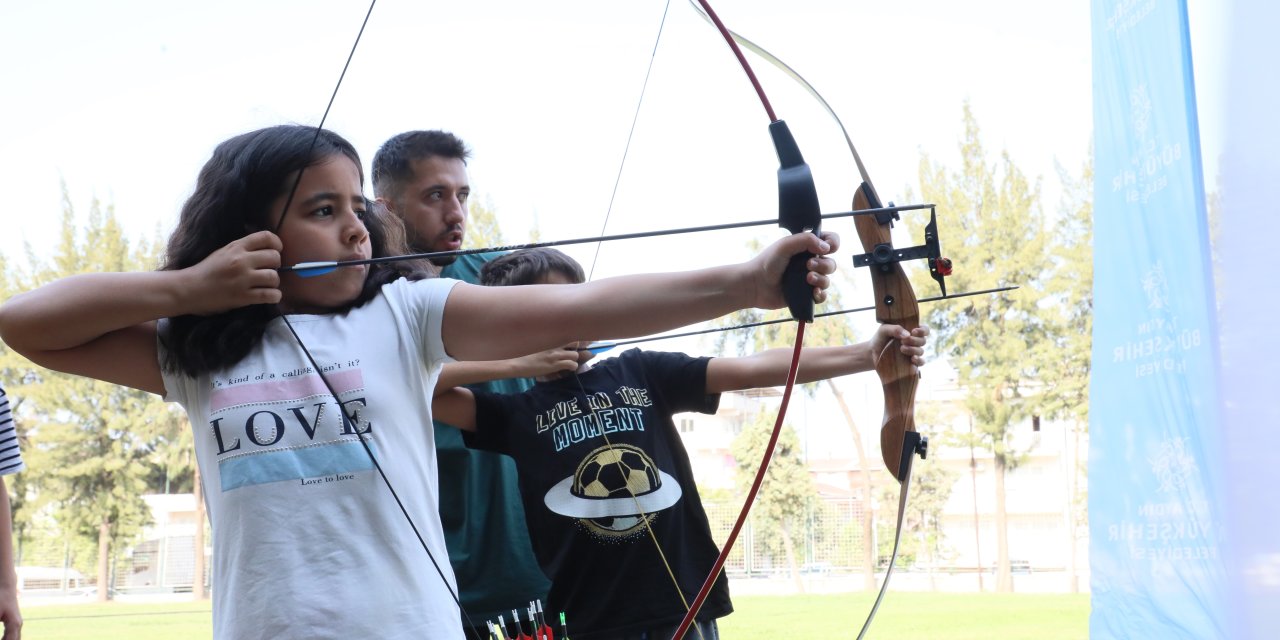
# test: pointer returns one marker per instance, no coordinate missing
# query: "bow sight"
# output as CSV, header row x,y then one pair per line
x,y
883,254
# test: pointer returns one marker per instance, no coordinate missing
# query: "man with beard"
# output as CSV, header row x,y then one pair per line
x,y
421,176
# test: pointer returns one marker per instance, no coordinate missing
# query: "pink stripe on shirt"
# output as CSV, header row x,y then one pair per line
x,y
287,389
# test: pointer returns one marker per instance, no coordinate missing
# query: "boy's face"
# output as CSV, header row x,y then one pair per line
x,y
556,277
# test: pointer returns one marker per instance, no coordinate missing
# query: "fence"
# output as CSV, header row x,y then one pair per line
x,y
832,540
162,564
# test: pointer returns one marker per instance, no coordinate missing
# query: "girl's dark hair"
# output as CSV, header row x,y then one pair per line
x,y
529,266
233,198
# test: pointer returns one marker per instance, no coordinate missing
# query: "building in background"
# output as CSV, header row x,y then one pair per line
x,y
1045,503
164,561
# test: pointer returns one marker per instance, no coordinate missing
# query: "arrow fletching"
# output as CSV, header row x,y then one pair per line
x,y
597,348
313,269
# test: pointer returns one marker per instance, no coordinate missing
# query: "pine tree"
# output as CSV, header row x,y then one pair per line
x,y
922,520
1068,354
482,226
828,331
787,491
91,444
990,220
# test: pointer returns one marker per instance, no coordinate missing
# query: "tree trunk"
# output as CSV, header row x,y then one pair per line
x,y
977,522
1073,568
790,548
1004,580
197,585
868,517
104,558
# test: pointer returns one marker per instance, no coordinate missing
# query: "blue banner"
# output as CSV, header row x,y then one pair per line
x,y
1154,524
1247,249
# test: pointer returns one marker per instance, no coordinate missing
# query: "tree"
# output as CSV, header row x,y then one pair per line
x,y
175,469
787,490
831,330
1069,352
482,226
922,520
990,218
92,442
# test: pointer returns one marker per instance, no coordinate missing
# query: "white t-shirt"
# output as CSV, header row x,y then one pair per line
x,y
307,540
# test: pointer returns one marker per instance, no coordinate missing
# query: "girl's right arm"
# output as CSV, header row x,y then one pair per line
x,y
102,325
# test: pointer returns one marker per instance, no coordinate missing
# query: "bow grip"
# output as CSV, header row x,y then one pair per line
x,y
798,211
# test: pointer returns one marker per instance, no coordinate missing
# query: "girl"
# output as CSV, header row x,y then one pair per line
x,y
286,379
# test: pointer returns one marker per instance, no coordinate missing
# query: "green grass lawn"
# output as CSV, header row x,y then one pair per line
x,y
111,621
903,616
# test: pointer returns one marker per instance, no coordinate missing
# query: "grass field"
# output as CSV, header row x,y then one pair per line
x,y
903,616
118,621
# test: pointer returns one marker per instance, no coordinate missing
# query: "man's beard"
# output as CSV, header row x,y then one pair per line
x,y
433,247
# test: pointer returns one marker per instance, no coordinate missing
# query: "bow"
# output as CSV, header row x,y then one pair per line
x,y
798,211
895,303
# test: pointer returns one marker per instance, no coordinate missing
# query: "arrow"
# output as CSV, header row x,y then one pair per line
x,y
598,348
312,269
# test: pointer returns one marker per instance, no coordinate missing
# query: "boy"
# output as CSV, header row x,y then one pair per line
x,y
603,472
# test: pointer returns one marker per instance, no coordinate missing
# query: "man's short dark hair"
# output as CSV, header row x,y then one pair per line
x,y
393,164
529,266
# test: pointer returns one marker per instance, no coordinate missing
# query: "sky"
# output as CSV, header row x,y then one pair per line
x,y
124,101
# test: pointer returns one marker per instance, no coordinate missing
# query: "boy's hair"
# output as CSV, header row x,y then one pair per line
x,y
393,163
234,197
529,266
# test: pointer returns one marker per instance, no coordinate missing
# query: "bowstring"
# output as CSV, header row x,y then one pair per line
x,y
645,517
635,118
792,371
346,420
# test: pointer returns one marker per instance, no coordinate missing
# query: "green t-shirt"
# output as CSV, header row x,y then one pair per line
x,y
481,510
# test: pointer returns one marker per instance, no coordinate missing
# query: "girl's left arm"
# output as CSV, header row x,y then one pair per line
x,y
494,323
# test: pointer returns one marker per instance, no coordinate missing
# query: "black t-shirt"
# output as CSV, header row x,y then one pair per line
x,y
576,455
